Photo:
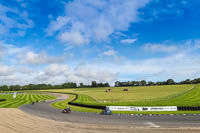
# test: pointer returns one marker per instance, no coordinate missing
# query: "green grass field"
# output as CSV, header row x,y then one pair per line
x,y
22,99
148,96
189,96
134,94
171,95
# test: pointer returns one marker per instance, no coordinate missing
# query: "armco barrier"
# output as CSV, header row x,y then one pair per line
x,y
188,108
1,100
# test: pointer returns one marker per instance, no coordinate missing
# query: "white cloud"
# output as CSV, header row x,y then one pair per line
x,y
129,41
87,73
159,47
58,74
180,62
10,50
94,20
197,43
52,74
12,75
2,29
20,23
2,52
40,58
179,65
25,55
5,70
55,74
55,69
171,46
110,52
73,38
56,25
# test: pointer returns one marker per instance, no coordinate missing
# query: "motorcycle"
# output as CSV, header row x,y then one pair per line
x,y
67,110
106,111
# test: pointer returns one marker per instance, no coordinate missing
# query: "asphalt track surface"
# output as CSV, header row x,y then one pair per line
x,y
44,110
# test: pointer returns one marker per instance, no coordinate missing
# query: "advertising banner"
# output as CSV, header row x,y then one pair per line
x,y
145,108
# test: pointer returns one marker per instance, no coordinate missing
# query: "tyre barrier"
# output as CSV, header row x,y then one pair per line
x,y
87,106
84,105
187,108
2,100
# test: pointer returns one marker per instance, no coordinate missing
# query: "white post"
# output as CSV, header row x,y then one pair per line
x,y
14,95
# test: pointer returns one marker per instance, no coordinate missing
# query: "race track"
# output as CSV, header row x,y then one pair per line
x,y
155,121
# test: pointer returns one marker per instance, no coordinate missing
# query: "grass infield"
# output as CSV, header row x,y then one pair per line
x,y
63,104
117,95
188,96
22,99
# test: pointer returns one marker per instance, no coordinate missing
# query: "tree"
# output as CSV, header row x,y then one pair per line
x,y
117,84
150,83
94,84
129,83
170,82
187,81
81,85
106,85
143,83
195,81
133,83
4,88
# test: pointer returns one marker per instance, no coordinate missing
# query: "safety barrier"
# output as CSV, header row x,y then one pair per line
x,y
187,108
84,105
87,106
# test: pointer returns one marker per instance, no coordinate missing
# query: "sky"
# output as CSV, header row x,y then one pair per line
x,y
57,41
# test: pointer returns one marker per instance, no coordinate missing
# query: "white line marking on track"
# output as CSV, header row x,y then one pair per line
x,y
152,125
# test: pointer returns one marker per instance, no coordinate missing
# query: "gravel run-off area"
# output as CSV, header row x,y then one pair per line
x,y
16,121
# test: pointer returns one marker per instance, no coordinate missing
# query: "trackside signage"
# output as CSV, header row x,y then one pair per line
x,y
137,108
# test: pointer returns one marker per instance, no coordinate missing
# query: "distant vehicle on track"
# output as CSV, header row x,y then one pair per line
x,y
106,111
67,110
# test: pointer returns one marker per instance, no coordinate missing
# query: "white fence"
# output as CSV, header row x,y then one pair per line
x,y
137,108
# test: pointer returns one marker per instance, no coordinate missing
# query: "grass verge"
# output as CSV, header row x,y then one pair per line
x,y
22,99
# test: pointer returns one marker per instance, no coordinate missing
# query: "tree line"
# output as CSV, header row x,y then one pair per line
x,y
151,83
94,84
49,86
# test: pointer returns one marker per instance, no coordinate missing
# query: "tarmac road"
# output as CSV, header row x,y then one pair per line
x,y
44,110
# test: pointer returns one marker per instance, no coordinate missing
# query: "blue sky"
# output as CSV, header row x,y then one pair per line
x,y
57,41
